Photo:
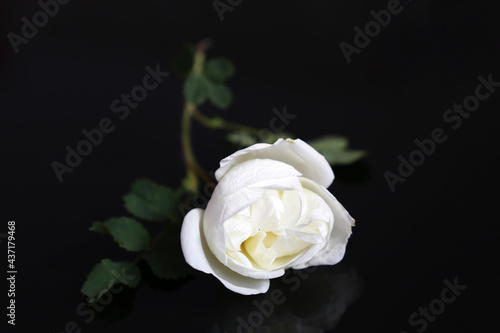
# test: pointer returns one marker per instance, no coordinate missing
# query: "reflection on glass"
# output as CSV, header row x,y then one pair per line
x,y
305,301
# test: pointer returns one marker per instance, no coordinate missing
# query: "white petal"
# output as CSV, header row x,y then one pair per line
x,y
237,229
289,244
343,222
266,212
198,255
296,153
302,261
233,194
221,209
253,171
280,184
254,273
293,201
237,157
240,259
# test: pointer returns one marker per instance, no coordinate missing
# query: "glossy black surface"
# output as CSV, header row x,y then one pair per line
x,y
439,225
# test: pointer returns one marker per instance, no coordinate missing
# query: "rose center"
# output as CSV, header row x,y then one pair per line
x,y
277,228
270,238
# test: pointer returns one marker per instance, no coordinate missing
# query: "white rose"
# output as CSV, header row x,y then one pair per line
x,y
270,211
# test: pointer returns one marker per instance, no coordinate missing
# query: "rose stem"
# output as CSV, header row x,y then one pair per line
x,y
219,123
193,168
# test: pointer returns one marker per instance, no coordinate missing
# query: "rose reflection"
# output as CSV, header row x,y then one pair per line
x,y
304,301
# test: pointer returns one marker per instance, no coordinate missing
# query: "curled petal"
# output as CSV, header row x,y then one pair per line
x,y
334,250
296,153
253,273
220,210
236,157
199,256
253,171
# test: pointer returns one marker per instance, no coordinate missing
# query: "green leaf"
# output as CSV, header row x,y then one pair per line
x,y
220,95
218,69
99,227
329,142
334,148
183,61
165,258
244,139
128,233
150,201
106,274
196,89
345,156
241,138
273,137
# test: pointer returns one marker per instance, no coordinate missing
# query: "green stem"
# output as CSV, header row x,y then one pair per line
x,y
219,123
193,168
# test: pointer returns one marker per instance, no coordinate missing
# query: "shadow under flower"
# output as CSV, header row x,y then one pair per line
x,y
304,301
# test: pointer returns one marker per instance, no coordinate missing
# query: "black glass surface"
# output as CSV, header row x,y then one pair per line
x,y
423,255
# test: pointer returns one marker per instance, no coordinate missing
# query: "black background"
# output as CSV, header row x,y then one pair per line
x,y
437,225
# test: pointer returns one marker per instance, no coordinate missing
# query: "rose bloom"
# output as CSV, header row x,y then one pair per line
x,y
270,211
